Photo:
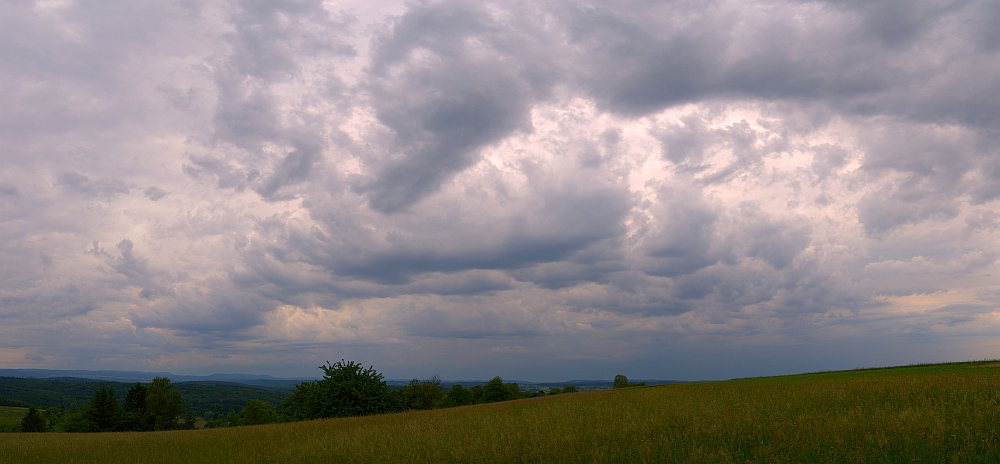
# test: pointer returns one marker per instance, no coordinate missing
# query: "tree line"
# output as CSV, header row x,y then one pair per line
x,y
346,389
350,389
144,408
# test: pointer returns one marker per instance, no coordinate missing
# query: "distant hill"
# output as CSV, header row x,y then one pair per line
x,y
139,376
199,396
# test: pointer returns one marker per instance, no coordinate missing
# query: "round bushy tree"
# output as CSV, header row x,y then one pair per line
x,y
259,412
346,389
495,390
457,396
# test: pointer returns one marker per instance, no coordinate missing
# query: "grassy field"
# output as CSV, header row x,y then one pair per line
x,y
935,413
11,416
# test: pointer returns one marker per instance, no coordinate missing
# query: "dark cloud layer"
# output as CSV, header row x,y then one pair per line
x,y
565,190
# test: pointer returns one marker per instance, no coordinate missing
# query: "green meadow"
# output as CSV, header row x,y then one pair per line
x,y
932,413
11,416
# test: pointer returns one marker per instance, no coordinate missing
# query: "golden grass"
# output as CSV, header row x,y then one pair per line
x,y
919,414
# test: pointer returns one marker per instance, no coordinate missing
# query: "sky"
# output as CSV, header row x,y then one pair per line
x,y
537,190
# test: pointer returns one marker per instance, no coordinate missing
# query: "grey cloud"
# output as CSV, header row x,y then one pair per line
x,y
447,80
81,184
220,312
270,43
575,234
9,190
225,173
776,242
636,58
827,159
155,193
681,239
899,23
929,168
885,209
433,322
565,224
295,168
982,221
691,145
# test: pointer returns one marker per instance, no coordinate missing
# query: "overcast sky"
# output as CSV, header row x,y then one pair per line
x,y
537,190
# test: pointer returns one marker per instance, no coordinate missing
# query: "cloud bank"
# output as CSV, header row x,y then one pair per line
x,y
661,189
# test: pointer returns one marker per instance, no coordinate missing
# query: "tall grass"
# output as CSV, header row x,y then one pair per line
x,y
944,413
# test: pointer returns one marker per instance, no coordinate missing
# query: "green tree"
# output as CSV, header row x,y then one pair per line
x,y
621,381
569,389
76,422
104,410
422,394
34,421
134,414
233,419
346,389
457,396
514,389
477,393
163,405
554,391
495,390
296,407
259,412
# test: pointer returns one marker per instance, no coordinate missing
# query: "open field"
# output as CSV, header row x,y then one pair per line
x,y
11,416
935,413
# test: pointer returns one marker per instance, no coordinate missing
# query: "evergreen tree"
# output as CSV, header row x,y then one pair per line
x,y
134,417
34,421
104,410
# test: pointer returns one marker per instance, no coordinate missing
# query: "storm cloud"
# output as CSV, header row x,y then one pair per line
x,y
576,190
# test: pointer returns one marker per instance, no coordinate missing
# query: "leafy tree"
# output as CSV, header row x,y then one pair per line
x,y
233,419
569,389
554,391
104,410
457,396
621,381
477,393
163,405
53,414
76,421
346,389
422,394
514,389
296,407
259,412
189,421
495,390
34,421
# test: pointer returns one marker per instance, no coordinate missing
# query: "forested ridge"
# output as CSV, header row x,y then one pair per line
x,y
346,389
74,393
